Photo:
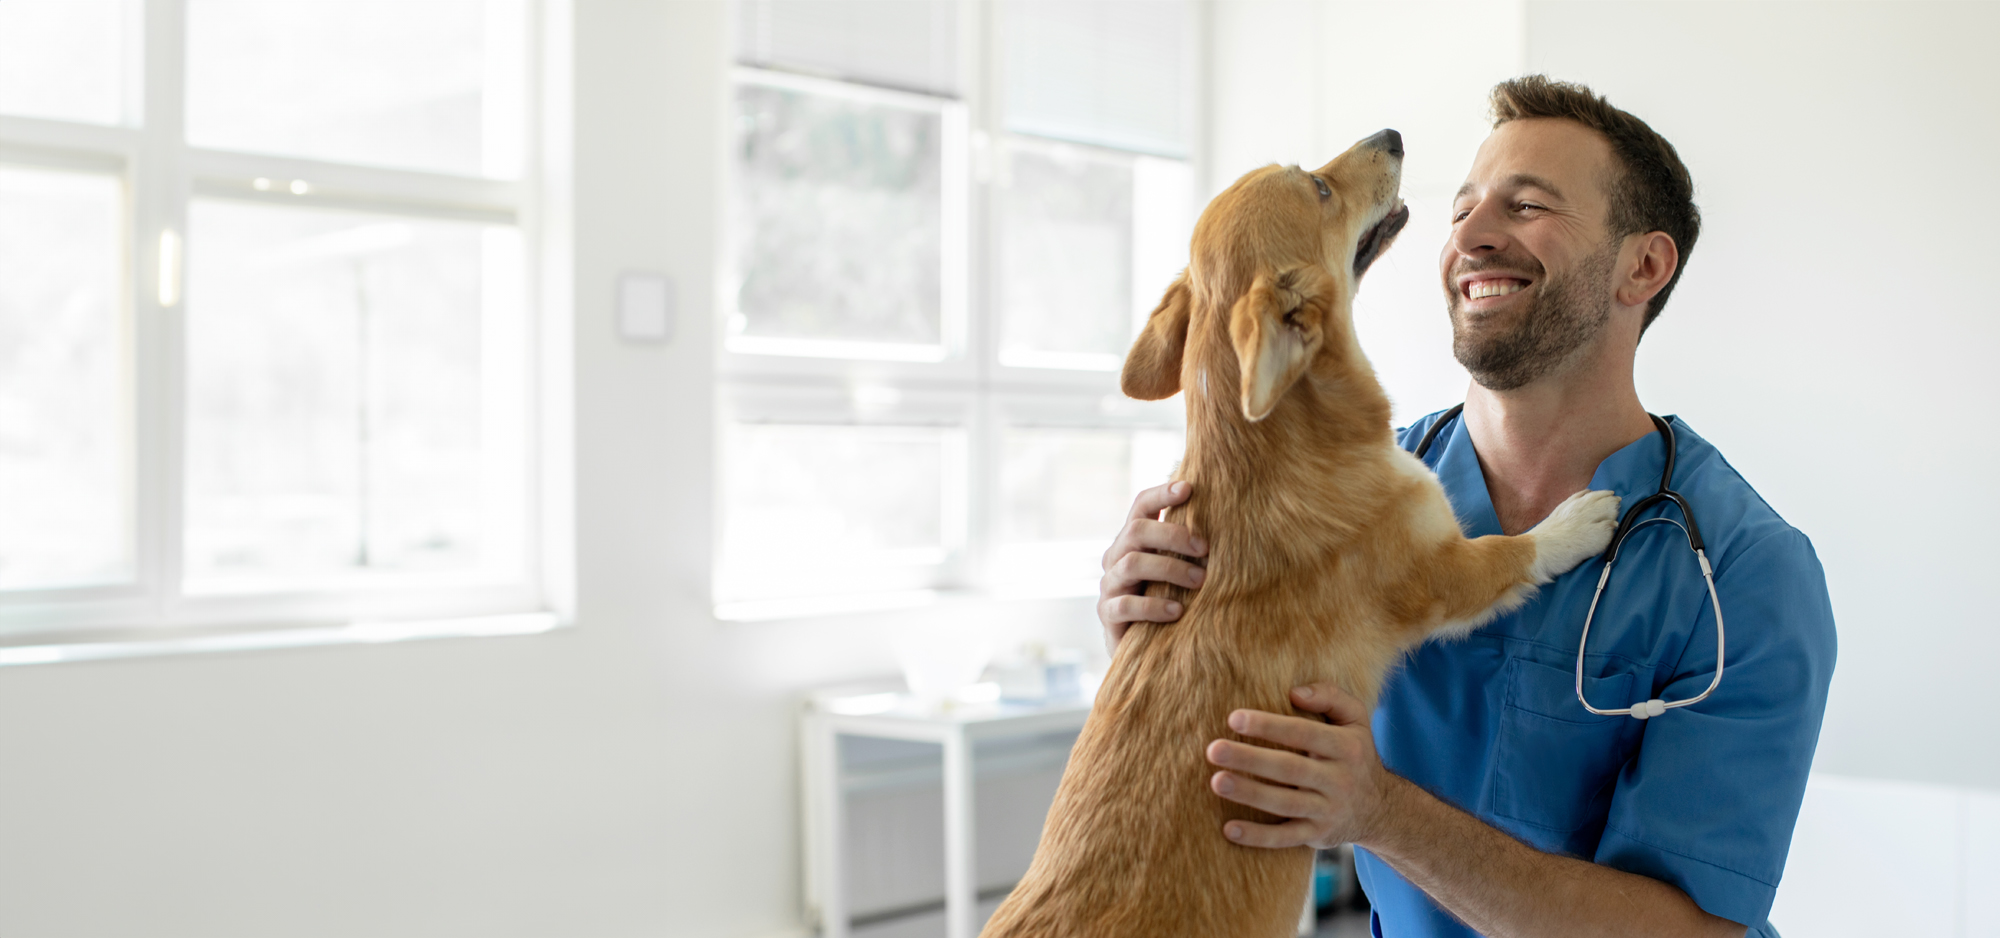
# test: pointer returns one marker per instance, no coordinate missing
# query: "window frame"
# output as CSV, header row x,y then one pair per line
x,y
161,175
996,395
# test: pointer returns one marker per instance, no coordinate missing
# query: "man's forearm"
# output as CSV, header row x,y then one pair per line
x,y
1506,889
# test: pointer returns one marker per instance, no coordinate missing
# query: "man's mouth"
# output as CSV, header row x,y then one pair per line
x,y
1491,286
1481,289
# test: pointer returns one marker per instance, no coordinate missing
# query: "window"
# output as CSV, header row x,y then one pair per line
x,y
944,223
844,235
264,338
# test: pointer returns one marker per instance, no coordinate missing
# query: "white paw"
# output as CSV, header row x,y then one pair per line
x,y
1576,531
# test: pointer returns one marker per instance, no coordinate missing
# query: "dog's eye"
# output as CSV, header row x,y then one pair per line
x,y
1324,192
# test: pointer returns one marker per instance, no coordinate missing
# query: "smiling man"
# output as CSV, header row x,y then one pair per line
x,y
1481,794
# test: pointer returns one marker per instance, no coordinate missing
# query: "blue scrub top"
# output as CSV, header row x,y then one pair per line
x,y
1702,797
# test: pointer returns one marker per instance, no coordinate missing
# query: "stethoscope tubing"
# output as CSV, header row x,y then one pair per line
x,y
1644,709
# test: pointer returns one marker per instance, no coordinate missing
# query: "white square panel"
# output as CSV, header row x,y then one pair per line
x,y
1982,864
646,307
1870,858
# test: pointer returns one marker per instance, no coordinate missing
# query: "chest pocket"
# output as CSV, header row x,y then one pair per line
x,y
1554,763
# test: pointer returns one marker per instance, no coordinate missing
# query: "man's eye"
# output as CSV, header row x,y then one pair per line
x,y
1459,215
1324,192
1527,207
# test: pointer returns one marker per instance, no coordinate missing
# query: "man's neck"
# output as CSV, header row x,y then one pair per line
x,y
1541,443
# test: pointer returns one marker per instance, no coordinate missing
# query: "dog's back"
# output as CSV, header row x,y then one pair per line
x,y
1133,844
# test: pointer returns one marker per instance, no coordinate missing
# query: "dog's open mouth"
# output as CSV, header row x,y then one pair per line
x,y
1376,239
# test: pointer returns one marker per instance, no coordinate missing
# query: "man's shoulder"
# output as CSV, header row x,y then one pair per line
x,y
1760,559
1734,518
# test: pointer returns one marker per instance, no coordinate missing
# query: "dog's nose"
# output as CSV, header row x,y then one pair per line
x,y
1388,140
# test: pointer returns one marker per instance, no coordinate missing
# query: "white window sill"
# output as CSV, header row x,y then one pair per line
x,y
355,633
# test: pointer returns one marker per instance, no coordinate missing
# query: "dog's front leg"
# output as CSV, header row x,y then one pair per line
x,y
1467,582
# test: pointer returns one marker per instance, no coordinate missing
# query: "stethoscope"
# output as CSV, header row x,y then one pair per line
x,y
1644,709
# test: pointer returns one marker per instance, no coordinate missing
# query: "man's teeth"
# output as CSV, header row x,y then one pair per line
x,y
1486,288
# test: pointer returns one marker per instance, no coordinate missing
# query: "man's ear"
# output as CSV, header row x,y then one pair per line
x,y
1276,328
1153,367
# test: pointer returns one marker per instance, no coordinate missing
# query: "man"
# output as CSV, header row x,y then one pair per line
x,y
1484,797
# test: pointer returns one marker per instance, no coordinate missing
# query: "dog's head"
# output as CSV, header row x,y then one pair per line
x,y
1278,253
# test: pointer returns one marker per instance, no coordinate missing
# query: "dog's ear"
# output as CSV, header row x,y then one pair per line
x,y
1153,367
1276,327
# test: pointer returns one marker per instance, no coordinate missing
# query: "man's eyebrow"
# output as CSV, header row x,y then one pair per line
x,y
1524,180
1516,181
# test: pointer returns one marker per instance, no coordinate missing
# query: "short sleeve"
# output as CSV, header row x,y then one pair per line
x,y
1709,802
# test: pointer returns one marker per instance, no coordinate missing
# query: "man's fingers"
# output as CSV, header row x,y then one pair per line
x,y
1264,796
1134,559
1341,708
1136,568
1291,833
1145,534
1159,498
1320,739
1132,607
1277,765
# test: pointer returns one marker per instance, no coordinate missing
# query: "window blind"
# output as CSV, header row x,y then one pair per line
x,y
906,44
1105,72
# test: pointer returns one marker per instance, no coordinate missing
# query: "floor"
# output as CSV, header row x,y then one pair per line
x,y
1348,924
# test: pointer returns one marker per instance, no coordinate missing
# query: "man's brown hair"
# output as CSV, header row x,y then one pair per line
x,y
1652,191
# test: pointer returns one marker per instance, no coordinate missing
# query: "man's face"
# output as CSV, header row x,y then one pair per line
x,y
1527,270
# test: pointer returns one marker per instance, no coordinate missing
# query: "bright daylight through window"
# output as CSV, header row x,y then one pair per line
x,y
265,335
942,234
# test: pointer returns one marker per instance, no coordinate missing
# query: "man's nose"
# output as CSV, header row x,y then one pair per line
x,y
1480,231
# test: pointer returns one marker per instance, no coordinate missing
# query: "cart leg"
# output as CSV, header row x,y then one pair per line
x,y
961,891
829,819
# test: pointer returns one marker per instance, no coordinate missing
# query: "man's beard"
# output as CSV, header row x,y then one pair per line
x,y
1568,313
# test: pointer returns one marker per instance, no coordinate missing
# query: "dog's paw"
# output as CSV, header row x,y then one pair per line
x,y
1577,530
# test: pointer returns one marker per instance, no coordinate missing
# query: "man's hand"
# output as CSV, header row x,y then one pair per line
x,y
1332,793
1338,791
1133,560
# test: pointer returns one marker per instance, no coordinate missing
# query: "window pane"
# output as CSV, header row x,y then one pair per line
x,y
67,59
1065,260
354,397
1063,495
65,504
437,85
837,223
811,510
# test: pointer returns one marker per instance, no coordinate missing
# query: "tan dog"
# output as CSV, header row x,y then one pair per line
x,y
1332,552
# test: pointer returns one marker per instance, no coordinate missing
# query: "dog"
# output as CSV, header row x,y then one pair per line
x,y
1332,553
